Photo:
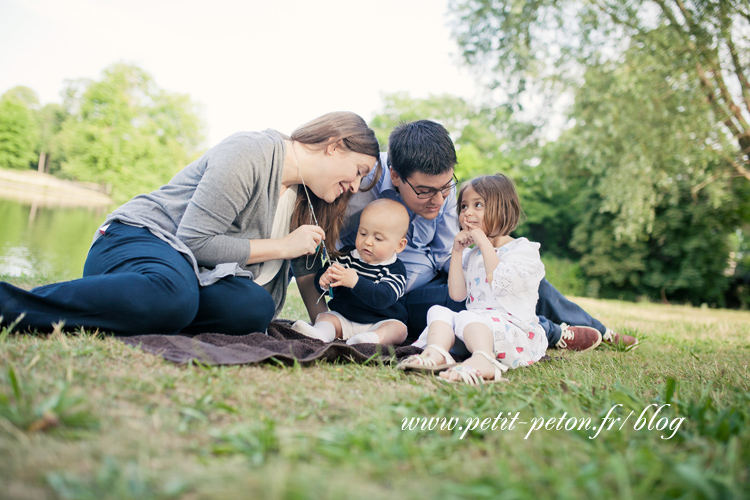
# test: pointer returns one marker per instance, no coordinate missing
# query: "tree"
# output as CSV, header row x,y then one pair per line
x,y
126,133
50,118
639,129
705,42
486,139
25,95
18,128
657,219
685,258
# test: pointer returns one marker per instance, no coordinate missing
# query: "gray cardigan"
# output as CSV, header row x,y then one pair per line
x,y
212,208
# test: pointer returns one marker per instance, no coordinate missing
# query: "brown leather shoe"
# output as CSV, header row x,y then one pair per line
x,y
578,338
613,338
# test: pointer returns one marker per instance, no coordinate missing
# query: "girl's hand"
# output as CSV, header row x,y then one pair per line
x,y
339,275
462,240
302,241
477,235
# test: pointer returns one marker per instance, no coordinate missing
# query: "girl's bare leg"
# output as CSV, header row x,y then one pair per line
x,y
477,337
440,334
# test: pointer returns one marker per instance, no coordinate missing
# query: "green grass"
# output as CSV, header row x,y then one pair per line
x,y
85,416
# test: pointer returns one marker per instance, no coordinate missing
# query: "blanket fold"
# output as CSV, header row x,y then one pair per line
x,y
280,342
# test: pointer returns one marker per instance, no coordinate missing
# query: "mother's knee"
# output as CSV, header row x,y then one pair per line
x,y
167,313
235,306
253,314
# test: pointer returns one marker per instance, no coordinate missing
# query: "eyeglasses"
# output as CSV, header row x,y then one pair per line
x,y
429,193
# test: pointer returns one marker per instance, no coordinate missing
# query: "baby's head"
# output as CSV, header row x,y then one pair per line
x,y
382,230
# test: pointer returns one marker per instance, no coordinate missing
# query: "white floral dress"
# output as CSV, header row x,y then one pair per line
x,y
507,305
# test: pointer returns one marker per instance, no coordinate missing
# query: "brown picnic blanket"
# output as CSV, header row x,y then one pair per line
x,y
280,342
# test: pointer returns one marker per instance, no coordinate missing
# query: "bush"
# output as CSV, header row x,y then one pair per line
x,y
565,275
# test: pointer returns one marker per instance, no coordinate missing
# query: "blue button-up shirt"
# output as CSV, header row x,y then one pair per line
x,y
429,241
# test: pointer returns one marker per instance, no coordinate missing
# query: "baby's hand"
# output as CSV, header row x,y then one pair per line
x,y
342,276
324,281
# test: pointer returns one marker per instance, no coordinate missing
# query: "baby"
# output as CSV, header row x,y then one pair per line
x,y
366,282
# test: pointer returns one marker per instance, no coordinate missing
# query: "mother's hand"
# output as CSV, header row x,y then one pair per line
x,y
302,241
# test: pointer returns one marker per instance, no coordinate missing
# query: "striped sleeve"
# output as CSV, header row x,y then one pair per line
x,y
379,286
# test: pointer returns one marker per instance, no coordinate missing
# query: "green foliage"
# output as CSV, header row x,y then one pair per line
x,y
18,129
550,43
645,188
121,132
552,202
661,207
24,95
739,269
125,133
565,274
642,131
683,258
50,118
690,246
487,139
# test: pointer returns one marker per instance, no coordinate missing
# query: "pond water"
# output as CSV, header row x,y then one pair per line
x,y
37,240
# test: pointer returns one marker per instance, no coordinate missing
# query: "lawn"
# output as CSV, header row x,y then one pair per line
x,y
85,416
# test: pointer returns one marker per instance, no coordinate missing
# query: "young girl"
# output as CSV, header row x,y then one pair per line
x,y
498,276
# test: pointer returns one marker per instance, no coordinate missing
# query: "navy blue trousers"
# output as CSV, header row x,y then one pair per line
x,y
134,283
552,308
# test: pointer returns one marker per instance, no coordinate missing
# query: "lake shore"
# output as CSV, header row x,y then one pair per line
x,y
28,186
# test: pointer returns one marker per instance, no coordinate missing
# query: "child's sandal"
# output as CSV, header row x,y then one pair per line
x,y
472,376
466,374
421,363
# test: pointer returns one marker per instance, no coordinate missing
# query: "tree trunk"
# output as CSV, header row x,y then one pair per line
x,y
42,161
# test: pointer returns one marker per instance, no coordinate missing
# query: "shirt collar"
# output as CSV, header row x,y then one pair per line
x,y
355,254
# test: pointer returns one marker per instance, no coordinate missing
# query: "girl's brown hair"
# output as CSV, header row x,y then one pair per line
x,y
351,132
502,209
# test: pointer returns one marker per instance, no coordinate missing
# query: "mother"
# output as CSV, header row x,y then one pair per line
x,y
209,252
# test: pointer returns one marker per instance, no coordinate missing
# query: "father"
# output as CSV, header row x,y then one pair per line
x,y
418,172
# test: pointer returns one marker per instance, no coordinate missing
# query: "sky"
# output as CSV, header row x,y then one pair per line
x,y
251,64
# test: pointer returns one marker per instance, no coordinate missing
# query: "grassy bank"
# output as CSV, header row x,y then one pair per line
x,y
83,416
29,186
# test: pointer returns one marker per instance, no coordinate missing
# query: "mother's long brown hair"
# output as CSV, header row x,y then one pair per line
x,y
353,134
